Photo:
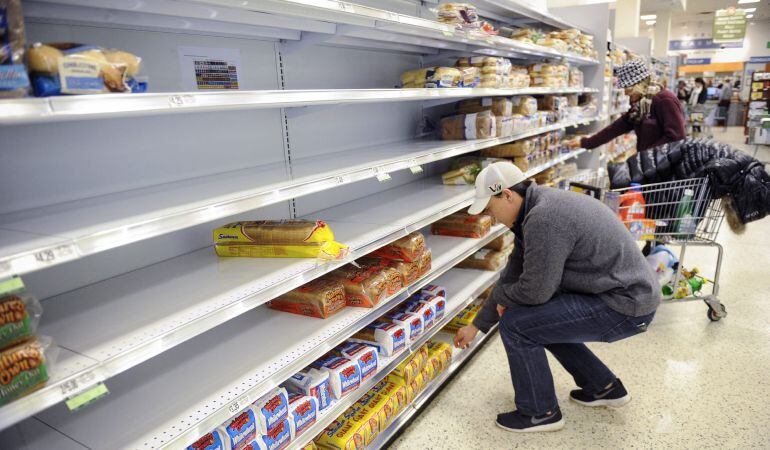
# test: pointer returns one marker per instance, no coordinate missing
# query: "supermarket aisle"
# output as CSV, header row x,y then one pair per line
x,y
694,383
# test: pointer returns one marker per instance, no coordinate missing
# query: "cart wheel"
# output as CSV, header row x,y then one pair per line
x,y
714,315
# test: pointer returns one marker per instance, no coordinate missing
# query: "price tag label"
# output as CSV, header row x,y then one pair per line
x,y
56,254
13,284
447,33
383,176
416,169
87,397
176,101
239,404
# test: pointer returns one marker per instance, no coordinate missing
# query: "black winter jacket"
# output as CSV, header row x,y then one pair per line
x,y
731,172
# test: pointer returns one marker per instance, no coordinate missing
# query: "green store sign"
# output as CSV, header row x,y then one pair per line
x,y
729,25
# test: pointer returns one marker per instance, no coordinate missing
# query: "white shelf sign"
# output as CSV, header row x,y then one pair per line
x,y
206,69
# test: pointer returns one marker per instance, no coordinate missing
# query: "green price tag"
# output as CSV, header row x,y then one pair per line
x,y
448,33
11,285
87,397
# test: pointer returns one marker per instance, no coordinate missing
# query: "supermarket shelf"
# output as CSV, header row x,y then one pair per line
x,y
463,286
459,358
40,238
507,8
63,108
199,385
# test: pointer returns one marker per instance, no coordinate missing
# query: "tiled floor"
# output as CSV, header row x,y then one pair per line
x,y
695,384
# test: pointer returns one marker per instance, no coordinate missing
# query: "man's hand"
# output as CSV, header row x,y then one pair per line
x,y
500,310
573,143
465,336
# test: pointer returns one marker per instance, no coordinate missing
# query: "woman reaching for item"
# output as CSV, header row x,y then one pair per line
x,y
655,114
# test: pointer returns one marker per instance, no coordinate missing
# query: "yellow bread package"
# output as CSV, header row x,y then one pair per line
x,y
410,389
442,351
518,148
433,77
319,298
345,434
411,367
395,392
500,106
310,446
484,259
501,242
519,80
278,239
465,317
468,126
381,406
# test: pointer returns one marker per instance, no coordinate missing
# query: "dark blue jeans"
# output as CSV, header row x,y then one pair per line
x,y
561,326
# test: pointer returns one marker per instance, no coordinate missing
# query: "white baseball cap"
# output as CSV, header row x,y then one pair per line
x,y
492,180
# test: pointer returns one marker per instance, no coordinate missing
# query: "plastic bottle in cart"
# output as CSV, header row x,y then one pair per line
x,y
632,204
684,212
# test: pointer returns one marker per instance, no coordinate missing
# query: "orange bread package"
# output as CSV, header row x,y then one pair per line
x,y
393,278
408,248
426,260
410,271
484,259
462,225
320,298
364,287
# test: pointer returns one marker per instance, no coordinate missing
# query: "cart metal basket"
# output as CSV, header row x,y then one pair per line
x,y
679,212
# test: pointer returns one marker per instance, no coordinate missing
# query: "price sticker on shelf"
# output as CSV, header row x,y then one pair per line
x,y
239,404
176,101
87,397
13,284
447,33
416,169
383,176
55,254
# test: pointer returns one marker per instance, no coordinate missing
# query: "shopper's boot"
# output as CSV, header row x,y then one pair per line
x,y
614,396
521,423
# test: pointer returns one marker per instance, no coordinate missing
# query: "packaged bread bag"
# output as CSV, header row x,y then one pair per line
x,y
525,105
19,316
432,77
313,383
14,81
364,287
271,409
462,225
303,412
344,374
25,367
278,239
319,298
468,126
241,429
484,259
519,148
389,338
393,278
365,355
408,248
216,440
500,106
412,323
423,309
410,271
437,304
504,126
278,437
382,406
501,242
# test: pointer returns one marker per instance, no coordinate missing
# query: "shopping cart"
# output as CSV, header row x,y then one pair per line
x,y
680,213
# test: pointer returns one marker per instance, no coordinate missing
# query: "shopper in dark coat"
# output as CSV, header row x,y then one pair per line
x,y
655,115
738,179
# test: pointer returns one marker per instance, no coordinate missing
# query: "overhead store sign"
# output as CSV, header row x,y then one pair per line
x,y
729,25
701,44
696,61
759,59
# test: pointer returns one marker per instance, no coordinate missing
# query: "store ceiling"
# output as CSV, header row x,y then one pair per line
x,y
702,10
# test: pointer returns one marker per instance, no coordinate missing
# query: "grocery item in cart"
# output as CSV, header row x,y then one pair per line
x,y
319,298
365,355
501,242
278,239
216,440
344,374
432,77
364,287
408,248
14,81
500,106
468,126
271,409
425,262
525,105
241,429
303,411
484,259
412,323
19,316
632,205
25,368
388,338
278,437
462,225
72,68
314,383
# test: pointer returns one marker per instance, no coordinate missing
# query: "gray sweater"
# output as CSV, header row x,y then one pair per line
x,y
570,242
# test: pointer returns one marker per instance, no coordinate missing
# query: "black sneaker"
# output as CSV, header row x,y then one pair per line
x,y
614,396
520,423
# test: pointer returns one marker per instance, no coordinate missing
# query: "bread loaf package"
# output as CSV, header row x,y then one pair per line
x,y
271,409
471,76
464,175
504,126
442,351
319,298
409,248
410,271
518,148
344,374
500,106
382,405
19,316
522,162
303,412
432,77
462,225
468,126
25,367
278,239
314,383
525,105
364,287
241,429
14,81
412,323
393,391
365,355
484,259
501,242
575,78
216,440
426,310
463,318
461,15
278,437
436,302
389,338
425,262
